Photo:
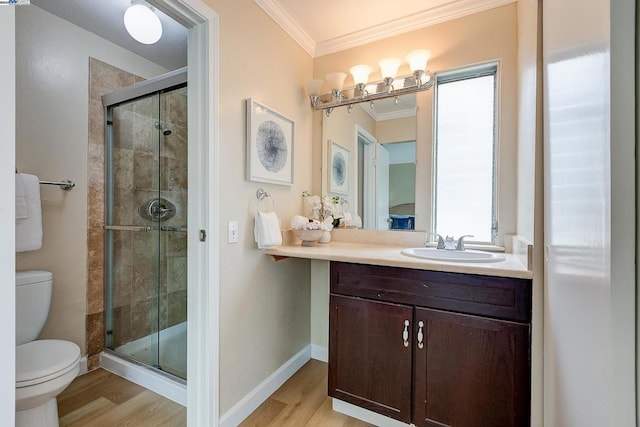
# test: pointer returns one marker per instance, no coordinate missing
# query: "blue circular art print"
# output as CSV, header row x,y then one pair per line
x,y
339,168
272,146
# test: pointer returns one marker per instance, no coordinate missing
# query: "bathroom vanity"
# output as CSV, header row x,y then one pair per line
x,y
430,348
423,342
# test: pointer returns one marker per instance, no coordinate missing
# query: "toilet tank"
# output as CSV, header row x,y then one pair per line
x,y
33,299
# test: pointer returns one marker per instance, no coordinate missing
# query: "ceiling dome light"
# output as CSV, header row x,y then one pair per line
x,y
142,23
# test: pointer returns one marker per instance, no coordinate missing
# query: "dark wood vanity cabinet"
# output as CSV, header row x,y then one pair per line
x,y
431,348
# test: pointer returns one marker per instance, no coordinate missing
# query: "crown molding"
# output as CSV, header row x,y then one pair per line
x,y
452,10
435,15
288,24
391,115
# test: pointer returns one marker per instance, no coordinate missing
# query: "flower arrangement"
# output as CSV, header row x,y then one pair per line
x,y
324,208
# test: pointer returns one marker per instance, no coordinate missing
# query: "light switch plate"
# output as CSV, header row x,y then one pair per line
x,y
232,232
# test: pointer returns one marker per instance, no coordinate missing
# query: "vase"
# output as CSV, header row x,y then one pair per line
x,y
326,237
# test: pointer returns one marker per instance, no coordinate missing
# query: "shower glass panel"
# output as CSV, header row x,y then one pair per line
x,y
145,230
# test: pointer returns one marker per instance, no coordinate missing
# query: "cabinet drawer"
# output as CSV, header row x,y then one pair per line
x,y
499,297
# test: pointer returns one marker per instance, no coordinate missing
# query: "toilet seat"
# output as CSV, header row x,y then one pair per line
x,y
43,360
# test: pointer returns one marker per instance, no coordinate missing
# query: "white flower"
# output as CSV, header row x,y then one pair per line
x,y
323,208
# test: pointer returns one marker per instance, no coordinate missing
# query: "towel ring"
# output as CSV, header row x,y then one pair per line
x,y
261,195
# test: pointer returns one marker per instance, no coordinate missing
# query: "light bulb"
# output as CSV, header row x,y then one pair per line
x,y
418,59
142,23
313,87
336,80
360,73
389,67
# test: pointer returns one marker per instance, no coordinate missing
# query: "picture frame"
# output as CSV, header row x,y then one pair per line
x,y
339,168
270,145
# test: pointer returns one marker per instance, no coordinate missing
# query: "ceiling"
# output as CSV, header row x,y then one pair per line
x,y
104,18
320,27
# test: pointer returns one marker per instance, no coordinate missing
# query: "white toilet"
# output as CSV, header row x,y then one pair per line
x,y
44,368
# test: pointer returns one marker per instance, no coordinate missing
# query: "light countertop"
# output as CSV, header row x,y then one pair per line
x,y
389,255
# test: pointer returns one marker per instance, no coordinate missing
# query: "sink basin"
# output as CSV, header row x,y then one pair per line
x,y
453,256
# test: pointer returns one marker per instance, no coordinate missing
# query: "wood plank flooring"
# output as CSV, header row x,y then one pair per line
x,y
101,398
301,402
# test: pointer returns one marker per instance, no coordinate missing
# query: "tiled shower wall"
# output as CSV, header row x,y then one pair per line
x,y
149,268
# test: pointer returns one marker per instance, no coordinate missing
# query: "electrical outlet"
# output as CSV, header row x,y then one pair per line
x,y
232,232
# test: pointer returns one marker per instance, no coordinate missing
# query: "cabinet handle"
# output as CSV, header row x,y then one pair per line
x,y
405,333
420,335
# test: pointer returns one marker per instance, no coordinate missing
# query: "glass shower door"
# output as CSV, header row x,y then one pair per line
x,y
145,313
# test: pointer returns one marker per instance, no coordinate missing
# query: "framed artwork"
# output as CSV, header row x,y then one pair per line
x,y
339,168
269,145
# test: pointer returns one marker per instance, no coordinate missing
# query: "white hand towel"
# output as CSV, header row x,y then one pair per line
x,y
21,200
29,230
267,230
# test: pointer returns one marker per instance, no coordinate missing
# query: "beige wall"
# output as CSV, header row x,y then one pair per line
x,y
396,130
264,305
485,36
52,63
340,127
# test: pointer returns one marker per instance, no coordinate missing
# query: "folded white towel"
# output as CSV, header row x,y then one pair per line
x,y
266,231
29,230
21,200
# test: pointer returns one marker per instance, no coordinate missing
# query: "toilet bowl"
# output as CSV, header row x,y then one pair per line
x,y
44,368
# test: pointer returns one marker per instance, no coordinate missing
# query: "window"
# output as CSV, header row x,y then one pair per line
x,y
465,154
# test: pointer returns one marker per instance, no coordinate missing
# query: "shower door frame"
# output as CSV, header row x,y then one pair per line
x,y
160,86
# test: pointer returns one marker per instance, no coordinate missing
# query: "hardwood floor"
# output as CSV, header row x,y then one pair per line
x,y
301,402
101,398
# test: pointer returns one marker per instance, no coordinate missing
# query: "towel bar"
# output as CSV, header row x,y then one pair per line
x,y
260,195
65,184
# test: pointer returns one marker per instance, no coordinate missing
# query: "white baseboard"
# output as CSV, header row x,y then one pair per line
x,y
319,353
148,379
83,366
365,415
266,388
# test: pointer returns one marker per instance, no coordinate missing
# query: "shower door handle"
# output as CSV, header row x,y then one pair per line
x,y
127,228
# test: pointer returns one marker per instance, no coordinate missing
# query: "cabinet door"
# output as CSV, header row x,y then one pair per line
x,y
369,360
471,371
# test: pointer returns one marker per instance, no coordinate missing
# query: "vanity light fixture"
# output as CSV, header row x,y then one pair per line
x,y
142,23
365,91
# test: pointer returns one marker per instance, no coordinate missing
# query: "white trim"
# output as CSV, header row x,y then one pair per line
x,y
369,188
435,15
390,115
145,377
288,24
203,199
83,366
266,388
319,353
203,257
365,414
7,213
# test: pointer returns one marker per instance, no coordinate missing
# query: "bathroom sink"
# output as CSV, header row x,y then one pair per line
x,y
453,256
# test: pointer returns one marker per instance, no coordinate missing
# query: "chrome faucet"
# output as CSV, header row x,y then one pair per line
x,y
449,243
460,242
440,240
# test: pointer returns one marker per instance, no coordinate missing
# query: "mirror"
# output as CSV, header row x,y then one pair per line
x,y
380,140
498,36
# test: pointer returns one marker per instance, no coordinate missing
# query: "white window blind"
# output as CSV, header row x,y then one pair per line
x,y
464,154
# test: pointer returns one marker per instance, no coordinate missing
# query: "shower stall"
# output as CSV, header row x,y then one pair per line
x,y
146,223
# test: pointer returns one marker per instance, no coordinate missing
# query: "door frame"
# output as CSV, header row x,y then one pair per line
x,y
369,186
203,285
7,211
